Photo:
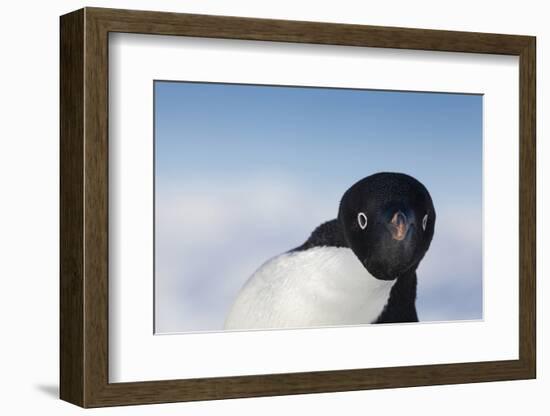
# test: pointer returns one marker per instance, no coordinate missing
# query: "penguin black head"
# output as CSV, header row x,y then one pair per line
x,y
388,221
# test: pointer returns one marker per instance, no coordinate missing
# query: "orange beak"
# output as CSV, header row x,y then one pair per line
x,y
399,226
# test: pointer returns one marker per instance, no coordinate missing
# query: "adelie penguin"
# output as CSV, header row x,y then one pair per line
x,y
359,268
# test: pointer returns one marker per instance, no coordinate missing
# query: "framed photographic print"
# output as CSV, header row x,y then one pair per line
x,y
255,207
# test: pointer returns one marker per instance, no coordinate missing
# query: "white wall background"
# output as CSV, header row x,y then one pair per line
x,y
29,209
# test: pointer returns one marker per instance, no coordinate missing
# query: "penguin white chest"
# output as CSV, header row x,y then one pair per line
x,y
316,287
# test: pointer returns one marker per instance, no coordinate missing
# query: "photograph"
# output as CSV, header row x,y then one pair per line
x,y
286,207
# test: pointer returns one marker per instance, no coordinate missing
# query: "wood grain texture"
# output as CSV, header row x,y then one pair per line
x,y
71,210
527,208
96,219
162,23
84,207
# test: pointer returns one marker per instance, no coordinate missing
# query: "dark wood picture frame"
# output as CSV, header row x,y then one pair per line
x,y
84,207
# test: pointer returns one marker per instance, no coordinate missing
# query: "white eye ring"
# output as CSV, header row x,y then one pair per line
x,y
362,220
424,222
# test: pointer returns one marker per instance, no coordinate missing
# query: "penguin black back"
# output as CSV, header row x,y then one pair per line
x,y
328,234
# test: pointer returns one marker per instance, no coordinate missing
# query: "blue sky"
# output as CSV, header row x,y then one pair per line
x,y
243,173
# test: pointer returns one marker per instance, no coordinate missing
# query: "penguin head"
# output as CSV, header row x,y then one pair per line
x,y
388,221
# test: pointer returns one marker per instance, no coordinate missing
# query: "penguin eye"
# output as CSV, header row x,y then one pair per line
x,y
362,220
424,222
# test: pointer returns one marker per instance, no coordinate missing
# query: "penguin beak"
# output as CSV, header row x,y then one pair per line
x,y
399,225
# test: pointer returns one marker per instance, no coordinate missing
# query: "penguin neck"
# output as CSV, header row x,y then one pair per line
x,y
401,306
